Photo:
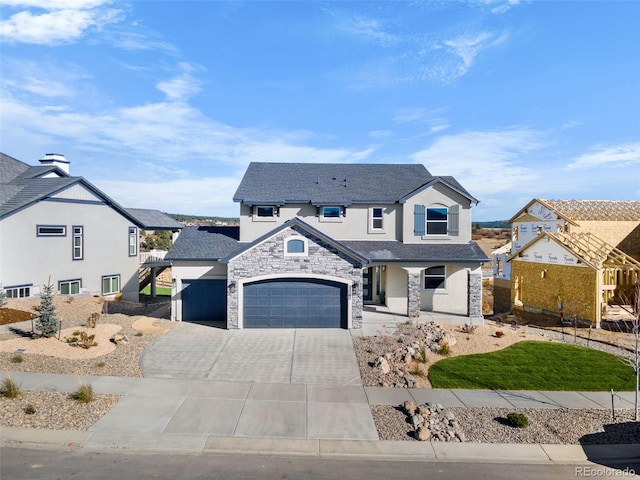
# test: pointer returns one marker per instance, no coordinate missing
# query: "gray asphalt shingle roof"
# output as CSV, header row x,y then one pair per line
x,y
328,183
394,251
154,219
203,243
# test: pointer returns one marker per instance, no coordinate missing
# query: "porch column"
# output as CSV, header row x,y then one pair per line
x,y
474,296
414,282
154,271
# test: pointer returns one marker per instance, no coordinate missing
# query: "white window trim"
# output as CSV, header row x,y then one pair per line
x,y
426,220
133,245
372,229
40,233
10,291
337,219
424,277
69,282
256,218
105,277
304,240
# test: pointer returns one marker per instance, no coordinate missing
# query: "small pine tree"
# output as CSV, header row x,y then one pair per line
x,y
47,323
3,297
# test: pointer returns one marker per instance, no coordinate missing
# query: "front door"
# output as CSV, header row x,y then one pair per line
x,y
367,284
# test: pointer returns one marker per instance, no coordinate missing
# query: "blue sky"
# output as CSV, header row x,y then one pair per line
x,y
163,104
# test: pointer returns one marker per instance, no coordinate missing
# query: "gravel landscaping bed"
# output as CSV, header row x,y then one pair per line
x,y
57,411
547,426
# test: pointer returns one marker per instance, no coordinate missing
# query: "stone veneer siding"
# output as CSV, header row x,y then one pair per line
x,y
475,298
268,258
414,285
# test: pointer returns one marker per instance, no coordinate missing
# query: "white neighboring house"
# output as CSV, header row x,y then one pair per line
x,y
62,229
318,242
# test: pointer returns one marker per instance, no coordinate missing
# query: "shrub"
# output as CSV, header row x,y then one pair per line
x,y
3,297
84,394
517,420
499,334
422,356
100,364
444,349
29,409
9,388
47,323
468,328
82,339
16,358
417,372
138,334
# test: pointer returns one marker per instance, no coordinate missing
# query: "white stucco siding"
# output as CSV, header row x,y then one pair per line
x,y
355,225
434,196
26,258
453,298
395,287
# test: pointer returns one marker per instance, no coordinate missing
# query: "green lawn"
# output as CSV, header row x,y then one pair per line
x,y
160,291
532,365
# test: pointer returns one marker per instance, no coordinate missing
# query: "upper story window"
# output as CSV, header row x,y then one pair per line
x,y
434,278
51,230
437,220
264,213
295,246
377,218
78,242
133,241
330,212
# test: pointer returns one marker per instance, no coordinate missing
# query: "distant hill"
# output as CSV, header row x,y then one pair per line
x,y
186,219
493,224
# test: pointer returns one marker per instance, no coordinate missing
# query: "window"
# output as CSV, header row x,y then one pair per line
x,y
265,212
78,243
19,291
434,278
437,221
133,241
377,218
296,246
110,284
69,287
330,212
51,230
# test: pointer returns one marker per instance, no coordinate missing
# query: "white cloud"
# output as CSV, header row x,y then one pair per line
x,y
55,4
466,48
612,155
485,162
180,87
61,24
44,79
368,29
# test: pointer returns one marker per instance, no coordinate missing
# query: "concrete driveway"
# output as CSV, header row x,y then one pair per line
x,y
278,356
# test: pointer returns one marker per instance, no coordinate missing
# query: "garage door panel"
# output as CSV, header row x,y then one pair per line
x,y
295,303
204,300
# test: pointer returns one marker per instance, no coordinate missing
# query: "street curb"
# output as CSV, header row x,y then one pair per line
x,y
181,444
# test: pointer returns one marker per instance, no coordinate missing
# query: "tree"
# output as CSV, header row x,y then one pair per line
x,y
47,323
3,297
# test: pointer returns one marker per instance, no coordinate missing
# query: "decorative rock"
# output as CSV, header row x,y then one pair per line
x,y
424,410
411,351
408,358
120,339
409,407
384,365
423,434
449,339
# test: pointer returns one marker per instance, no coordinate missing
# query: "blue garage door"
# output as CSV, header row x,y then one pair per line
x,y
295,303
204,300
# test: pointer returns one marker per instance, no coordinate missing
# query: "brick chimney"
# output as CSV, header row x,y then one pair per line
x,y
56,160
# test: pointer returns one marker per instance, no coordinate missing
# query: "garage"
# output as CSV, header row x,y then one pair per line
x,y
204,300
295,303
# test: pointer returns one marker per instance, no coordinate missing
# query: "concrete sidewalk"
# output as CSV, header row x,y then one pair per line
x,y
205,416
